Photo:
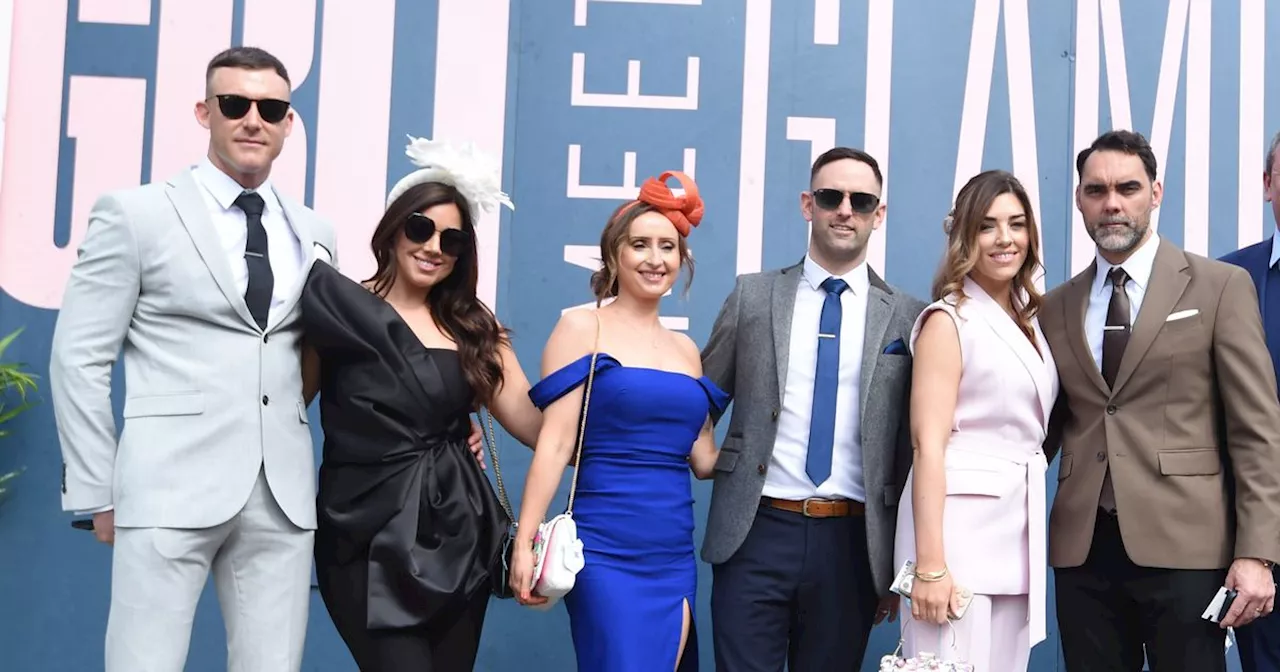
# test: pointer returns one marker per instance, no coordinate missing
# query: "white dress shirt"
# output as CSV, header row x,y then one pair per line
x,y
1138,267
283,247
786,477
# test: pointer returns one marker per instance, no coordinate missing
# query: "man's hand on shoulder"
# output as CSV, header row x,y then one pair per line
x,y
1256,591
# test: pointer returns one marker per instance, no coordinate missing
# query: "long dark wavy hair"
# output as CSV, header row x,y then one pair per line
x,y
455,308
972,203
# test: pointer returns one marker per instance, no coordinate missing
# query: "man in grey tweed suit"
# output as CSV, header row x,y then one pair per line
x,y
804,506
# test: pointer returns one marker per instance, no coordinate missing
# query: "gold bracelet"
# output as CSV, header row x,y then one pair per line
x,y
930,577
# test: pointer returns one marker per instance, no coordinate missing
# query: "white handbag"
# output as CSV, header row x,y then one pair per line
x,y
924,661
557,551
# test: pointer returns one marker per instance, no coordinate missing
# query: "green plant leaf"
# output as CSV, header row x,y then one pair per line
x,y
6,416
4,342
5,478
14,378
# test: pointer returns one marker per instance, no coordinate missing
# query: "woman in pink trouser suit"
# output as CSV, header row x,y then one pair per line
x,y
983,386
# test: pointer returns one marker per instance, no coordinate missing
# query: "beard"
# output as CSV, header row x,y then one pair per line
x,y
1118,234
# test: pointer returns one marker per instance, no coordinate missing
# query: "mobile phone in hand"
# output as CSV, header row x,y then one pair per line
x,y
1219,605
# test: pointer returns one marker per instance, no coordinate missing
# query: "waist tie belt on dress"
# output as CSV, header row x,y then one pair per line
x,y
1036,467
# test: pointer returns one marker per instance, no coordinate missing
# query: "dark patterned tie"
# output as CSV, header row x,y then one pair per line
x,y
261,280
1115,336
822,421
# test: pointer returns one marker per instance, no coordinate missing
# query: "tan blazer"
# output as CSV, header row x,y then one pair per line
x,y
1191,430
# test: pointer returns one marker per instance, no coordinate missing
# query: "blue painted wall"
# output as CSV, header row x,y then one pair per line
x,y
54,581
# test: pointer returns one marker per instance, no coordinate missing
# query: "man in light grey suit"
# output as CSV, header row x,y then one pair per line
x,y
804,506
198,278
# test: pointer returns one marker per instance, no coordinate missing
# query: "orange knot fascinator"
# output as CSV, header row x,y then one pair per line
x,y
685,212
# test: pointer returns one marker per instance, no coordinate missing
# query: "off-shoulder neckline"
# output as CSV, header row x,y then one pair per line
x,y
615,360
395,313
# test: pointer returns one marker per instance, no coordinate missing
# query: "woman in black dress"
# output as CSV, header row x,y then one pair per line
x,y
409,527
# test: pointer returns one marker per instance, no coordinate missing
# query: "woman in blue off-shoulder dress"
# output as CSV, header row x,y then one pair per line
x,y
647,424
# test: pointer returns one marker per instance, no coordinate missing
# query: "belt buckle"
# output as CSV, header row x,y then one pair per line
x,y
804,507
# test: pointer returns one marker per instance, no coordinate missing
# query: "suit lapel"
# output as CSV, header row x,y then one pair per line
x,y
1008,331
1168,280
184,193
783,307
295,215
1074,303
879,309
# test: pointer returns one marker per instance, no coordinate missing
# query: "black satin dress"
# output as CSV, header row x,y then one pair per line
x,y
408,525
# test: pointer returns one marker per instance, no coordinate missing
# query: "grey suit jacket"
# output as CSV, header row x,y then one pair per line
x,y
209,397
747,357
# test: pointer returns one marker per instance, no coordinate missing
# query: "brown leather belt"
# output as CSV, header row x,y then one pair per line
x,y
818,508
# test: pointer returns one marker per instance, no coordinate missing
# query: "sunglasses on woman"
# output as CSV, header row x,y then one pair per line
x,y
419,228
860,201
233,106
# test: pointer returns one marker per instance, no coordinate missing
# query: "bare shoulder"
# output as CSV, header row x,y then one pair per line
x,y
573,336
581,322
688,351
940,319
938,331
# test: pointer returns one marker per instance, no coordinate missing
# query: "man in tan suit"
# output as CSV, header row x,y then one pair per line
x,y
1169,427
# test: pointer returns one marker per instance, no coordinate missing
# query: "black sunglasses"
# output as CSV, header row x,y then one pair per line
x,y
419,228
233,106
860,201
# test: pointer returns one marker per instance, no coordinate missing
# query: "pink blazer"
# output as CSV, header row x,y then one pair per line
x,y
994,514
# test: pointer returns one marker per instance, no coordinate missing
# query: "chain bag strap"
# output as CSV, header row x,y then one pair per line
x,y
582,421
499,577
557,551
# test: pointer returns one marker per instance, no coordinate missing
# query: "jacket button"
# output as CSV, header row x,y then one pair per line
x,y
265,338
774,415
1111,409
760,469
265,400
1102,456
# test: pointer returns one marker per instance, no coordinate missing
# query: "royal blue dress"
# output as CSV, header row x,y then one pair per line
x,y
634,512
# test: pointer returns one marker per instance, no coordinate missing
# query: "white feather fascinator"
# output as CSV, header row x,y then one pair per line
x,y
474,174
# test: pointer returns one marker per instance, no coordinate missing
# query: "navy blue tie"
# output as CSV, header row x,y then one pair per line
x,y
822,420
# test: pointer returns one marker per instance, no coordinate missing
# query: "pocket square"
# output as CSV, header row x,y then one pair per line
x,y
1182,314
896,348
